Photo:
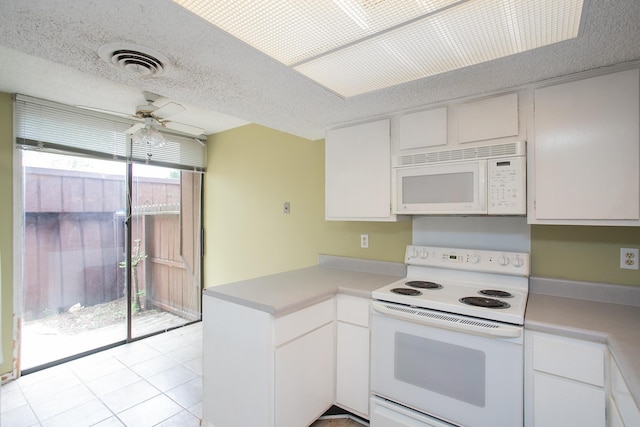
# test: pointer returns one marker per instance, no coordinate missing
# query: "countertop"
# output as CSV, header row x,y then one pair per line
x,y
284,293
614,324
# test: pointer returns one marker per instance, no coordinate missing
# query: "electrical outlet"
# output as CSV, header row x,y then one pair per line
x,y
629,258
364,241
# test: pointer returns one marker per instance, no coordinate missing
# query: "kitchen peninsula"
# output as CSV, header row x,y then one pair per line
x,y
265,337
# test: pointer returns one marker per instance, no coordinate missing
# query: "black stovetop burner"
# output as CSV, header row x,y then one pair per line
x,y
421,284
405,291
495,293
484,302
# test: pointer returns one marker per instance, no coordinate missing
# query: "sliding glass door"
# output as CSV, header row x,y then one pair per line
x,y
165,253
74,249
111,231
73,289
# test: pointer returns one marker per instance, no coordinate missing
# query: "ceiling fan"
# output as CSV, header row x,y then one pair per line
x,y
151,116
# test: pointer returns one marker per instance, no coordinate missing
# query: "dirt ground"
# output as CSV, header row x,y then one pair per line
x,y
89,318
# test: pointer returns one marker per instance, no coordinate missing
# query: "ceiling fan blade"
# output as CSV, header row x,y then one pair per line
x,y
168,110
133,129
112,113
184,128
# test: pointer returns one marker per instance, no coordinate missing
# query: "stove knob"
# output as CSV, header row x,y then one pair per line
x,y
424,254
517,261
503,261
413,253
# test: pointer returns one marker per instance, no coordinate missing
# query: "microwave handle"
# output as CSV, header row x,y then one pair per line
x,y
482,185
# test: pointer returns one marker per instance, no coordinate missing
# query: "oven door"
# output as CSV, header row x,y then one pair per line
x,y
462,377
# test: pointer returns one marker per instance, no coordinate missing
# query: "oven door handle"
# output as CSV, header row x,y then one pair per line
x,y
448,321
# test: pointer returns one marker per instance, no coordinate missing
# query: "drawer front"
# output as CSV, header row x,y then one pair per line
x,y
353,310
303,321
569,358
625,403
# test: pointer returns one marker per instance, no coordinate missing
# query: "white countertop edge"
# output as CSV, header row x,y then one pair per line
x,y
566,331
590,291
239,300
364,265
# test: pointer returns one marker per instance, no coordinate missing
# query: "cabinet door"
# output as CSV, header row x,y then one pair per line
x,y
615,420
586,149
352,368
490,118
423,129
561,402
358,172
304,373
622,399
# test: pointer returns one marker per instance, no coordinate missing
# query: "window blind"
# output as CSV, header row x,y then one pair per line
x,y
55,127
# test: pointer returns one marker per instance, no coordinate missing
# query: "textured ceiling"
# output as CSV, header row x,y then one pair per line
x,y
49,49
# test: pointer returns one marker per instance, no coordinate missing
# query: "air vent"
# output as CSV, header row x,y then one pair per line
x,y
443,317
134,59
482,152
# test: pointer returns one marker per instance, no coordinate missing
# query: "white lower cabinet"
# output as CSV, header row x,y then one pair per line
x,y
304,378
352,354
564,382
615,419
623,410
563,402
261,371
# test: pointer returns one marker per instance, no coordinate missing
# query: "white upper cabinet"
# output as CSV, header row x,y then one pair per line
x,y
585,167
358,172
422,129
489,118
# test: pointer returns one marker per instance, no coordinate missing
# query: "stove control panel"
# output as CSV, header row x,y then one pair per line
x,y
514,263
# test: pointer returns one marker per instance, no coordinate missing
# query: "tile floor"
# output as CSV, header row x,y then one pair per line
x,y
152,382
336,422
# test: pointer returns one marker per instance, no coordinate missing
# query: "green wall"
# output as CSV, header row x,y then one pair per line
x,y
251,172
583,253
6,226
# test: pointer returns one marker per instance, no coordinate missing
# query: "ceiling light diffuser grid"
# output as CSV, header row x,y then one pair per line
x,y
295,31
468,34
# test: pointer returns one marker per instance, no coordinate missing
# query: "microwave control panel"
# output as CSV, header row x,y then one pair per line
x,y
507,189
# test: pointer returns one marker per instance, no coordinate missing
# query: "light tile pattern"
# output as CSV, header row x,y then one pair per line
x,y
156,381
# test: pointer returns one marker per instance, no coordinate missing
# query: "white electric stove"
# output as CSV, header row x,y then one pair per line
x,y
447,340
490,285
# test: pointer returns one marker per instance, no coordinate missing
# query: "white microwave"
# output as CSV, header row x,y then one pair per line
x,y
480,180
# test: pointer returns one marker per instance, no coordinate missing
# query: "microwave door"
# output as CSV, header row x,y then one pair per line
x,y
458,188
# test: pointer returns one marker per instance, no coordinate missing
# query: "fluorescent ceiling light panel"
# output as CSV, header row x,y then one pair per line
x,y
357,46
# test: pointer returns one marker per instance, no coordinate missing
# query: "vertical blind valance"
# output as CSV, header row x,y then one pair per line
x,y
52,126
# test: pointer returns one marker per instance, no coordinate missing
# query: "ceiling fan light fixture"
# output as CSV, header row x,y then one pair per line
x,y
148,136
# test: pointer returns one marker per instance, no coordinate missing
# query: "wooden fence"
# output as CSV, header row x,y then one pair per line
x,y
74,242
